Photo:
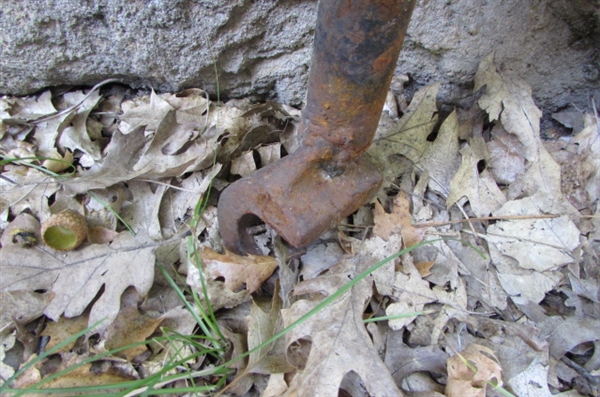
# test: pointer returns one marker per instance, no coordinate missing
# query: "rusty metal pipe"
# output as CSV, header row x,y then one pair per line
x,y
356,47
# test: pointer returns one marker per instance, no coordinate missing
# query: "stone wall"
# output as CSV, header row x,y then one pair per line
x,y
261,48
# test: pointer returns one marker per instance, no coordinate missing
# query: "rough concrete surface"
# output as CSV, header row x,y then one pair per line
x,y
261,48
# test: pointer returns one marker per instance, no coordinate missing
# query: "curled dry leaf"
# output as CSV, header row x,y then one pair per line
x,y
24,231
238,271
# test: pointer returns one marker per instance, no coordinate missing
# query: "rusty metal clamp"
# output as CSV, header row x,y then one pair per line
x,y
356,47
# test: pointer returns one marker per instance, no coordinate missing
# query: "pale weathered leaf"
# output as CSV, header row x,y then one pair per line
x,y
218,295
565,334
412,293
76,277
269,153
579,159
6,344
507,157
21,307
318,258
441,159
135,156
143,112
142,214
155,163
29,192
179,202
539,244
340,342
406,138
264,321
481,282
31,108
410,136
508,98
243,165
75,136
65,161
522,285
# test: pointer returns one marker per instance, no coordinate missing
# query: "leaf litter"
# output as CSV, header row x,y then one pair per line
x,y
499,287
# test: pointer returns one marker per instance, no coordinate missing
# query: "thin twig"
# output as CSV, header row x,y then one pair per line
x,y
73,107
491,218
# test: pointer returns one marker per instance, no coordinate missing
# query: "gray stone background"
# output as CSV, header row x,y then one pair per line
x,y
261,48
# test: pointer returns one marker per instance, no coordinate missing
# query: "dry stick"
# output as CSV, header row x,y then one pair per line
x,y
73,107
596,115
487,237
460,208
498,218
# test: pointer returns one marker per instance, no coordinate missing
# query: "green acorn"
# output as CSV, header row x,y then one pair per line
x,y
64,231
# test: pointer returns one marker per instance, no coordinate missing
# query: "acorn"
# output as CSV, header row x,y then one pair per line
x,y
65,231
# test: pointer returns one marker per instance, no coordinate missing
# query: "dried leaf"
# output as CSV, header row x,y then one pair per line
x,y
142,214
6,344
441,159
579,160
29,192
143,112
508,98
477,186
424,268
238,271
408,136
263,323
76,277
31,108
507,156
89,376
412,293
539,244
243,165
21,307
565,334
76,136
276,386
398,222
318,258
269,153
413,129
218,295
522,285
135,156
471,380
482,283
130,326
179,202
340,342
63,329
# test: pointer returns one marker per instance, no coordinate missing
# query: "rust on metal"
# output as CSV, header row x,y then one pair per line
x,y
356,47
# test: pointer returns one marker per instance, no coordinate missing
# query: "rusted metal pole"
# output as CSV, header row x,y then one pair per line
x,y
356,47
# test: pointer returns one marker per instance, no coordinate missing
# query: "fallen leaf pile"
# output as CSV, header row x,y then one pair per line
x,y
497,290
